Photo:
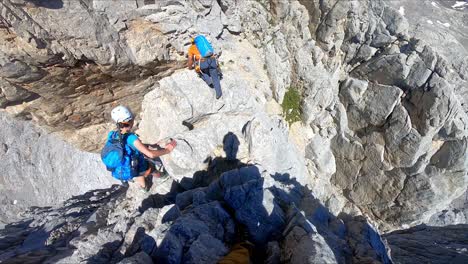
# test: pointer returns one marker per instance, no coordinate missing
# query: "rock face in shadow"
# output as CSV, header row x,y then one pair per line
x,y
429,244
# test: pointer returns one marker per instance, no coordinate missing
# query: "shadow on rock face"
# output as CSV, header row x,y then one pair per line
x,y
106,252
200,179
430,244
141,242
217,165
160,200
50,4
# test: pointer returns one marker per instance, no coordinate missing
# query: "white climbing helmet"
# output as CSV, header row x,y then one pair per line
x,y
121,114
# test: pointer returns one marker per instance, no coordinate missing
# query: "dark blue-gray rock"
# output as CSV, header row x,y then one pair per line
x,y
425,244
209,220
205,249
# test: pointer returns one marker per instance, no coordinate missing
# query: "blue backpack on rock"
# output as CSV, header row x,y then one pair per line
x,y
113,153
204,46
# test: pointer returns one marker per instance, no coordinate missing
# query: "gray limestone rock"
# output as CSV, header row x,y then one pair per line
x,y
40,169
202,231
306,248
183,107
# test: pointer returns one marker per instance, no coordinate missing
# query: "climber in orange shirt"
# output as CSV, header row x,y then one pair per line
x,y
207,68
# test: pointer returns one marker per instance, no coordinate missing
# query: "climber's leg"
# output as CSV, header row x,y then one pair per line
x,y
146,169
212,67
216,83
205,70
206,78
141,181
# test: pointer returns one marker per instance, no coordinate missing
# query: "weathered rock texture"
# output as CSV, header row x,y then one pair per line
x,y
383,132
40,169
442,24
74,60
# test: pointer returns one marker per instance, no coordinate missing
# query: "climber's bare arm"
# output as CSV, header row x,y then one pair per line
x,y
154,153
190,62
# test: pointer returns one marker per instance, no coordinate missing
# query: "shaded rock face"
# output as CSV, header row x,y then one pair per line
x,y
383,131
429,244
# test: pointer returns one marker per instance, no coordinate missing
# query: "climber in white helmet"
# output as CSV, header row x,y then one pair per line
x,y
124,153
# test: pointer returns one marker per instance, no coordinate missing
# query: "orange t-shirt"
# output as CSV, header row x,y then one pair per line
x,y
193,51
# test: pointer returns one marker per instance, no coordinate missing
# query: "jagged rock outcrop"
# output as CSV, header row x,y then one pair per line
x,y
395,104
438,25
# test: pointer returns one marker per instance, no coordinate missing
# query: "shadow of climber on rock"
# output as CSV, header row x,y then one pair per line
x,y
217,165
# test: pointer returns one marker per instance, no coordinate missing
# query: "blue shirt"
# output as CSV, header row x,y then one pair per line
x,y
126,171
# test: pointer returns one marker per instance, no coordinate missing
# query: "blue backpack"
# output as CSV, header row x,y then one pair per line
x,y
113,153
204,46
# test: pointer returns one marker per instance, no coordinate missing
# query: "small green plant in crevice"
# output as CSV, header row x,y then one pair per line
x,y
292,105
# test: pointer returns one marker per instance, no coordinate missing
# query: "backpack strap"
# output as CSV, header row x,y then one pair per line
x,y
197,62
122,138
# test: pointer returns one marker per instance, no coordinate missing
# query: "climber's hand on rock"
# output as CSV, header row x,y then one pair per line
x,y
171,145
154,146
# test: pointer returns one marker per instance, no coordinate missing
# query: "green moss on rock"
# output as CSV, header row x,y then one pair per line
x,y
292,105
